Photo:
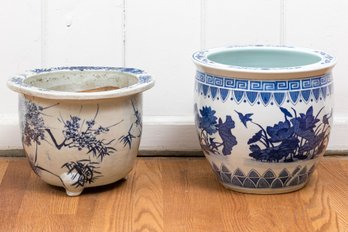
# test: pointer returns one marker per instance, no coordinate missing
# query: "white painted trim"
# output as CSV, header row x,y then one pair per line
x,y
169,133
338,138
9,132
166,133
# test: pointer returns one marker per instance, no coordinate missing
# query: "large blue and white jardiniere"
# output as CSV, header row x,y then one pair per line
x,y
76,135
263,114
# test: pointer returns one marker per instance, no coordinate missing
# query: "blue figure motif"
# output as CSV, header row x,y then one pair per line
x,y
297,137
210,125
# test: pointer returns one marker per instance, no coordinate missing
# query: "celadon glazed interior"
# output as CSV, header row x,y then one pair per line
x,y
264,62
264,58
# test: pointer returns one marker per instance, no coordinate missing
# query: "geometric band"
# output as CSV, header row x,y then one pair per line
x,y
264,85
265,92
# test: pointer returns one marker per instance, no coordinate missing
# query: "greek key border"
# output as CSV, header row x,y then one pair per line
x,y
264,85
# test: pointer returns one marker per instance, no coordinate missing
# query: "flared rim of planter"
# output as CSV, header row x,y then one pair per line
x,y
229,61
143,81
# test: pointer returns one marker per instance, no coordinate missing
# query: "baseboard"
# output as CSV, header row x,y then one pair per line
x,y
338,139
168,134
10,138
179,134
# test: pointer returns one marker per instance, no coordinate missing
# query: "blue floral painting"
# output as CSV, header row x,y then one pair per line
x,y
213,130
135,129
300,136
34,126
84,135
84,171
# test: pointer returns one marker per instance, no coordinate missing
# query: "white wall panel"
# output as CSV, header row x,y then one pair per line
x,y
84,32
242,22
323,25
19,45
161,35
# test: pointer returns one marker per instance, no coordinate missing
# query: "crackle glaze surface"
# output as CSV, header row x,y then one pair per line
x,y
263,136
77,142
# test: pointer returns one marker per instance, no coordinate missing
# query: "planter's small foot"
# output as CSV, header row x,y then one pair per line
x,y
69,180
73,193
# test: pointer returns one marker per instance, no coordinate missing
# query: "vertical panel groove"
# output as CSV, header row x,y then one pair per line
x,y
43,35
124,30
203,24
282,35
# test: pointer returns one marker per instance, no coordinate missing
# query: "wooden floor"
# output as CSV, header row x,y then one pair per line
x,y
171,194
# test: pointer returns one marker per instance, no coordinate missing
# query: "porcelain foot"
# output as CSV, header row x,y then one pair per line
x,y
69,181
73,193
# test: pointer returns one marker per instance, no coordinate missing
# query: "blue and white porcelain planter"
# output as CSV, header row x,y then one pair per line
x,y
80,139
263,114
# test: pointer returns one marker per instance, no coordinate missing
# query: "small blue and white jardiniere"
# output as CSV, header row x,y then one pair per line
x,y
75,135
263,114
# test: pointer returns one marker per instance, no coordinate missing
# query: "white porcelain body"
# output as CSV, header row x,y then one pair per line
x,y
263,130
78,140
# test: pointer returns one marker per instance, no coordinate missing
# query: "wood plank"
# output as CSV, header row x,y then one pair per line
x,y
12,190
176,195
108,209
57,204
171,194
46,223
147,196
3,167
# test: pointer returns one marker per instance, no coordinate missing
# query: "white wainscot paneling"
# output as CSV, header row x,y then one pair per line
x,y
242,22
83,33
160,38
10,137
19,45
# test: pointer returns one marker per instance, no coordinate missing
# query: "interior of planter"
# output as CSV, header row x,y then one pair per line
x,y
77,81
264,58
